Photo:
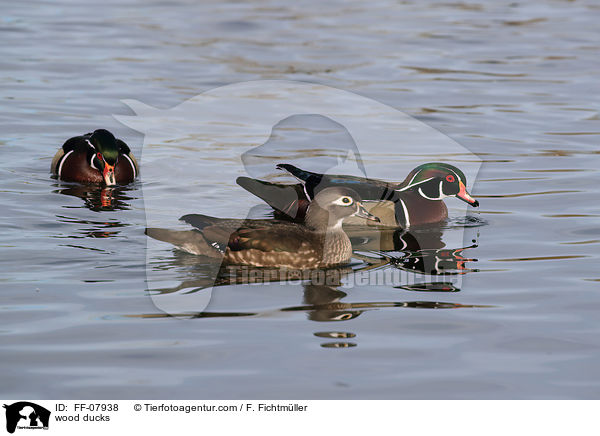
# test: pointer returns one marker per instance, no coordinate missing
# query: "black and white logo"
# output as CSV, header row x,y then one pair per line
x,y
26,415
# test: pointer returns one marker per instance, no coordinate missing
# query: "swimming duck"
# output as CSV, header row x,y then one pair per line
x,y
416,201
318,242
95,158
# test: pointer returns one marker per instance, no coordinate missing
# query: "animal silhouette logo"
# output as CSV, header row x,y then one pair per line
x,y
26,415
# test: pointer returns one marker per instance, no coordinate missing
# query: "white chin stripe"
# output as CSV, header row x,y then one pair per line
x,y
62,161
441,193
425,196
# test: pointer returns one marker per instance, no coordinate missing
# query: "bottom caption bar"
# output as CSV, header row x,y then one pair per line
x,y
158,417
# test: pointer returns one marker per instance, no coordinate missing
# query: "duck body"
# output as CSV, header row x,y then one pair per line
x,y
417,201
259,243
96,157
319,242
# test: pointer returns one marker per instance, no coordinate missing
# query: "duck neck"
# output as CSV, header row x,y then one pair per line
x,y
319,220
407,181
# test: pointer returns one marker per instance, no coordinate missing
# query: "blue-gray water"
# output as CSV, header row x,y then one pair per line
x,y
514,82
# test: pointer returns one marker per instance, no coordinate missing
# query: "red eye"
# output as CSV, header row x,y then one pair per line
x,y
450,178
99,156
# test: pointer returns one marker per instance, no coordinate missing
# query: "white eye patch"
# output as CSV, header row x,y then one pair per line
x,y
344,201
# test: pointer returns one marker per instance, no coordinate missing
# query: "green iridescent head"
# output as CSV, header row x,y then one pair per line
x,y
105,143
436,181
106,154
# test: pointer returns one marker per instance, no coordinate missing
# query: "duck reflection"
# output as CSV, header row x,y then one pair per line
x,y
322,298
91,228
322,303
336,335
418,252
440,262
394,239
98,197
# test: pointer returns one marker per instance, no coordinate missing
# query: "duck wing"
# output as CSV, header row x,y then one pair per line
x,y
289,200
368,189
237,234
275,239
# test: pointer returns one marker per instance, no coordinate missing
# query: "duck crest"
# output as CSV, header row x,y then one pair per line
x,y
430,171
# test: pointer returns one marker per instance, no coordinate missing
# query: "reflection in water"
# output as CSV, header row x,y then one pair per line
x,y
338,344
335,308
321,302
416,251
98,197
430,287
328,309
386,239
91,228
335,335
434,262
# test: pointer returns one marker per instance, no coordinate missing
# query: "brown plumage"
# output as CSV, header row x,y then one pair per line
x,y
317,243
96,157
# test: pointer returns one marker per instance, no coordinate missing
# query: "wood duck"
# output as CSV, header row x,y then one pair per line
x,y
318,242
417,201
95,158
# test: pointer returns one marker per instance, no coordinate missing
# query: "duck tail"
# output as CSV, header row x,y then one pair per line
x,y
283,198
190,241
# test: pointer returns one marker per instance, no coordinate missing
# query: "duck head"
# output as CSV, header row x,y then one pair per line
x,y
337,204
105,154
436,181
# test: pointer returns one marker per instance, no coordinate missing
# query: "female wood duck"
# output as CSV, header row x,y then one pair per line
x,y
319,242
417,201
95,158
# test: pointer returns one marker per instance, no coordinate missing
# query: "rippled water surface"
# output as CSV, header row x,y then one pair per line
x,y
516,83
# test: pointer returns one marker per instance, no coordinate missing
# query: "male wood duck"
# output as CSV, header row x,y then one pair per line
x,y
319,242
417,201
95,158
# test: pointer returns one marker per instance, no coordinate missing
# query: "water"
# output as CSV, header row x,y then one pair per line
x,y
515,83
